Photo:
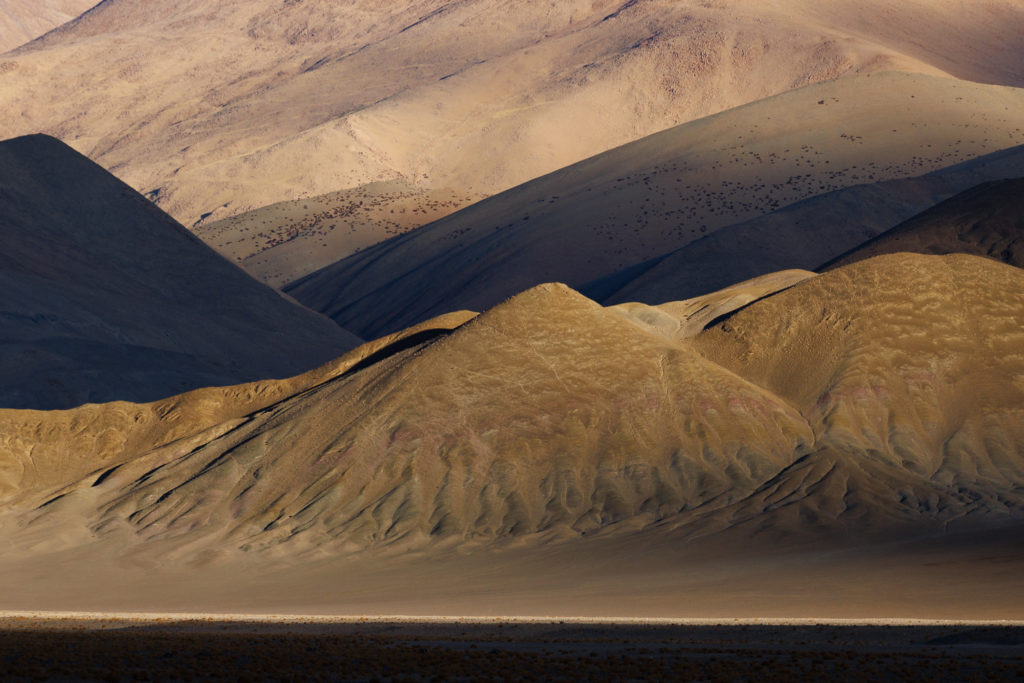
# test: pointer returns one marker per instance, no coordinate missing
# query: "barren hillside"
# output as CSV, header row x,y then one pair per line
x,y
881,401
895,411
282,242
668,190
24,20
217,109
806,234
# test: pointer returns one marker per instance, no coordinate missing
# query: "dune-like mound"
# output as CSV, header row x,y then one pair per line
x,y
879,400
987,220
668,190
23,20
43,450
909,371
520,421
104,297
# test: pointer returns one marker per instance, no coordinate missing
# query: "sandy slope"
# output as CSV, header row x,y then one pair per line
x,y
509,426
878,401
645,459
42,449
104,297
23,20
220,109
668,190
987,220
806,234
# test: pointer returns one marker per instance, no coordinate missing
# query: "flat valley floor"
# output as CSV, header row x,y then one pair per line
x,y
64,646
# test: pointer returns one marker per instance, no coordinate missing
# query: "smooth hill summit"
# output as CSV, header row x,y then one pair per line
x,y
104,297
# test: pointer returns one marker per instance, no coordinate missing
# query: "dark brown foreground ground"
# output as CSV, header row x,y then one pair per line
x,y
107,650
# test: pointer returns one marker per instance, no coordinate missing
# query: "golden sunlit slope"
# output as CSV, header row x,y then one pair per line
x,y
806,234
906,367
104,297
987,220
881,400
215,109
519,421
44,449
688,318
23,20
667,190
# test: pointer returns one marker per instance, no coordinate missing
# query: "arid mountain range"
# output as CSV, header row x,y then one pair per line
x,y
597,308
632,204
212,110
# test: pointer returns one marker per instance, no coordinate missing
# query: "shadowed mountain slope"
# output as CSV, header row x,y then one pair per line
x,y
668,190
802,235
987,220
104,297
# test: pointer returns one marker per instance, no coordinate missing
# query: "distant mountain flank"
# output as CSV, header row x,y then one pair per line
x,y
24,20
282,242
104,297
676,189
215,109
807,234
987,220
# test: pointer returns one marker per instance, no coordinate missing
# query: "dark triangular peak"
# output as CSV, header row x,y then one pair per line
x,y
103,296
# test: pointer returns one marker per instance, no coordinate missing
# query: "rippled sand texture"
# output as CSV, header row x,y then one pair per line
x,y
878,403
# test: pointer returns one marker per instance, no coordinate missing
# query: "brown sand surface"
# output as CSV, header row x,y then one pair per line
x,y
840,445
668,190
43,448
641,575
688,318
